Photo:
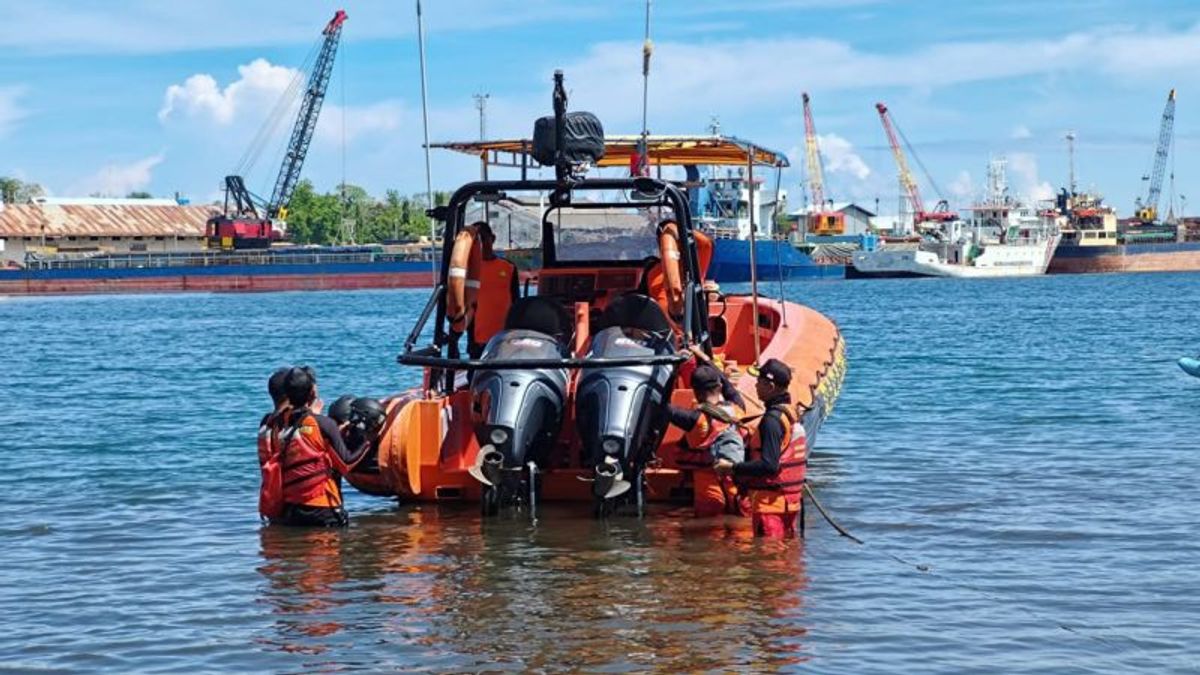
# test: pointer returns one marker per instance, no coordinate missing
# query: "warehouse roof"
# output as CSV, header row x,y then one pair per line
x,y
109,220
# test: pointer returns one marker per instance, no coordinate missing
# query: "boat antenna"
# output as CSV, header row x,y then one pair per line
x,y
1071,161
562,169
425,126
778,253
647,50
750,153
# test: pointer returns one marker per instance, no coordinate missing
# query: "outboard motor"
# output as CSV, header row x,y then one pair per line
x,y
518,412
621,412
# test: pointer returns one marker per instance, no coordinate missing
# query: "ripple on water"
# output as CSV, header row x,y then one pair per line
x,y
1028,443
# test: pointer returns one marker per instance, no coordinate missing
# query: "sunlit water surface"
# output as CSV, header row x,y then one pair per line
x,y
1030,445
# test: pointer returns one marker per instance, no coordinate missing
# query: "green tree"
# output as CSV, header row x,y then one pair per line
x,y
139,194
17,191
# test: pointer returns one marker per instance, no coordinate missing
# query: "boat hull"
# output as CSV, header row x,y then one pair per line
x,y
996,261
429,445
774,260
1168,257
218,278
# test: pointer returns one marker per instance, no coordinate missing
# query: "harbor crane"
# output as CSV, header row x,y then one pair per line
x,y
248,221
941,212
1147,210
821,220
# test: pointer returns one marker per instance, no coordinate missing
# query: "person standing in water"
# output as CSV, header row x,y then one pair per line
x,y
773,474
703,426
314,459
272,422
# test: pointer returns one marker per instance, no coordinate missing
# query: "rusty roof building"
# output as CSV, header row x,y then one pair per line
x,y
81,226
104,220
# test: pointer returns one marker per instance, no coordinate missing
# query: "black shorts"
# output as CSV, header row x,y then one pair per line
x,y
314,516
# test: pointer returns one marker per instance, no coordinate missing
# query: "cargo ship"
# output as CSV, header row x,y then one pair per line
x,y
292,269
96,245
722,207
1094,241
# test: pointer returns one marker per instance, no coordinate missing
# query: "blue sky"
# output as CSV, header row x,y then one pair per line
x,y
166,96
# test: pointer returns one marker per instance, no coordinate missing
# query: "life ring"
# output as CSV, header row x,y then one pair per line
x,y
462,279
668,247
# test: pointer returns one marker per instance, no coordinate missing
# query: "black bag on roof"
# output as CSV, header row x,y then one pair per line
x,y
583,139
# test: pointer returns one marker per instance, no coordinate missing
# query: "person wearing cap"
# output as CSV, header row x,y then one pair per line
x,y
702,425
498,290
773,474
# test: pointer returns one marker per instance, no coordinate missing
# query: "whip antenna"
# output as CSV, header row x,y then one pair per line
x,y
643,164
425,126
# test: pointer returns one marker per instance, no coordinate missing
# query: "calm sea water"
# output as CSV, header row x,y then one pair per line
x,y
1021,458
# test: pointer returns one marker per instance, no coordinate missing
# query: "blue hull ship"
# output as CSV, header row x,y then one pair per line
x,y
774,260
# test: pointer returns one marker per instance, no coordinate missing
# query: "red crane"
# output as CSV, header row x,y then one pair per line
x,y
249,221
941,212
821,221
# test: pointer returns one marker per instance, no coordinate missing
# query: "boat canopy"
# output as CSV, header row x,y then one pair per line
x,y
619,151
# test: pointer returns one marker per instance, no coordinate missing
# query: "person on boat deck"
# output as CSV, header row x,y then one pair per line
x,y
712,494
498,290
773,475
272,422
315,458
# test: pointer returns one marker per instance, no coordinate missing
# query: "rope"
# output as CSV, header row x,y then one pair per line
x,y
928,569
281,109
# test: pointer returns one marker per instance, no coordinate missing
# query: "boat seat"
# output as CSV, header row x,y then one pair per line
x,y
541,314
634,310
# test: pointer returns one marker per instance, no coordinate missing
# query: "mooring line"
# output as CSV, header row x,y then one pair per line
x,y
928,569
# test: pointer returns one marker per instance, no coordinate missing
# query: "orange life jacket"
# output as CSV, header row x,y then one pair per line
x,y
268,436
793,457
309,477
270,456
694,449
494,298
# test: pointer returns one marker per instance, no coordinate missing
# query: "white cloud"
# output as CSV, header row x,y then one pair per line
x,y
1023,167
384,116
962,188
747,72
259,86
10,111
840,156
1020,133
118,180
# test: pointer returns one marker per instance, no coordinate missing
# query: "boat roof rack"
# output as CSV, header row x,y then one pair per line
x,y
697,150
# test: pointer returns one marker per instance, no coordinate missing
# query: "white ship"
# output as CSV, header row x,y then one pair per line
x,y
1000,238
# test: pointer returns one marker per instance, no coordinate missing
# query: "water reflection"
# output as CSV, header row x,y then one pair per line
x,y
450,590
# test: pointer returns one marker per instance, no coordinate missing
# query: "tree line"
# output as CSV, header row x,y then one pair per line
x,y
347,214
350,215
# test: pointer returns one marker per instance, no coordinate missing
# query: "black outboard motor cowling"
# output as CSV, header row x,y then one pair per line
x,y
621,413
518,413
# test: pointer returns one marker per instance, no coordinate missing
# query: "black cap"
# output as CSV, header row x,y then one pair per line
x,y
706,378
774,371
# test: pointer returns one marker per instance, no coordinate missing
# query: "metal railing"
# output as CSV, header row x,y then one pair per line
x,y
219,259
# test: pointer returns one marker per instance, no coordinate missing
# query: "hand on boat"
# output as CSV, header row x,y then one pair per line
x,y
723,467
